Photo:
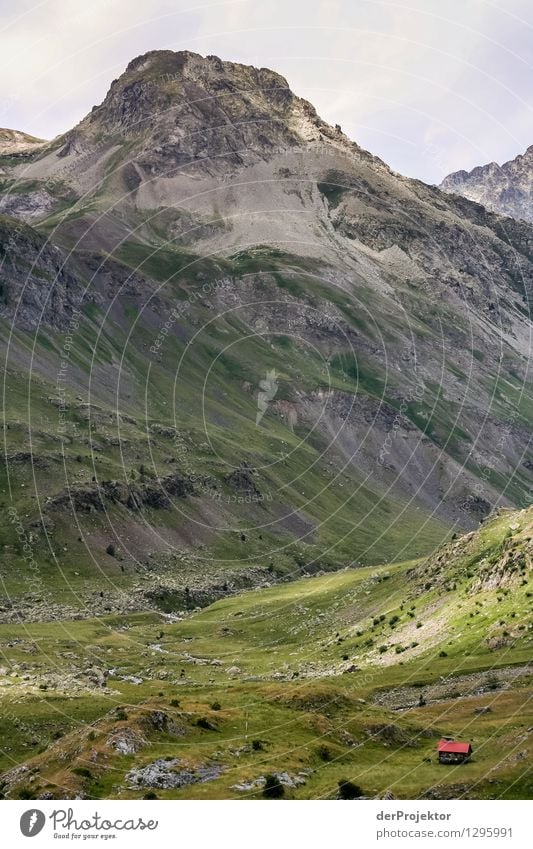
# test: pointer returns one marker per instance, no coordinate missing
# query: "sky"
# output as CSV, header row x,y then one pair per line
x,y
430,86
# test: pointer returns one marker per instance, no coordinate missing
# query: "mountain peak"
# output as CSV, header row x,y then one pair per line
x,y
503,188
183,109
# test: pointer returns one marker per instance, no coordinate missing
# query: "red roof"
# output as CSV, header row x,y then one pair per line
x,y
455,747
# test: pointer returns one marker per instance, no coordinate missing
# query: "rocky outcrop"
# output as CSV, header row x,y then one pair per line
x,y
167,774
158,495
37,284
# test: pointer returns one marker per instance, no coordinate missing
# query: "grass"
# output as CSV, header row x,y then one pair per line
x,y
268,665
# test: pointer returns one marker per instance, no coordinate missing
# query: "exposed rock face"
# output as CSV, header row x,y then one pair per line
x,y
36,285
506,188
27,206
188,108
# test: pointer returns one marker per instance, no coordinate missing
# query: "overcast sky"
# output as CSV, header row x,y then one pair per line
x,y
431,86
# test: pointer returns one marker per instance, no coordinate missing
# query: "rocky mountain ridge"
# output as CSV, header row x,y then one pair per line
x,y
506,189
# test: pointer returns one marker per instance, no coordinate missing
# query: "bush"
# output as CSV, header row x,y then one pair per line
x,y
273,788
26,793
324,753
205,724
110,550
443,654
349,790
216,706
174,703
257,746
82,771
120,715
150,795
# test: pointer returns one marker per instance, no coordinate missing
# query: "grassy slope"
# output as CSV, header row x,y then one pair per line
x,y
353,521
291,644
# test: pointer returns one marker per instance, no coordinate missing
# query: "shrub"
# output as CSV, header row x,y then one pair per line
x,y
150,795
349,790
120,715
257,746
174,703
82,771
110,550
443,654
273,788
324,753
216,706
204,723
393,620
26,793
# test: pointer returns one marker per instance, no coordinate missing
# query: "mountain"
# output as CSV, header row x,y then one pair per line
x,y
507,188
267,427
239,348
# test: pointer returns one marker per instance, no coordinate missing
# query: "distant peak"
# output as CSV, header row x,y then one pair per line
x,y
502,188
15,141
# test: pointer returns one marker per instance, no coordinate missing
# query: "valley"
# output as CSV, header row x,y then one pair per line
x,y
317,681
266,473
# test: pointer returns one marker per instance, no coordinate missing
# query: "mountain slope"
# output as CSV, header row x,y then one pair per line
x,y
223,319
506,188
